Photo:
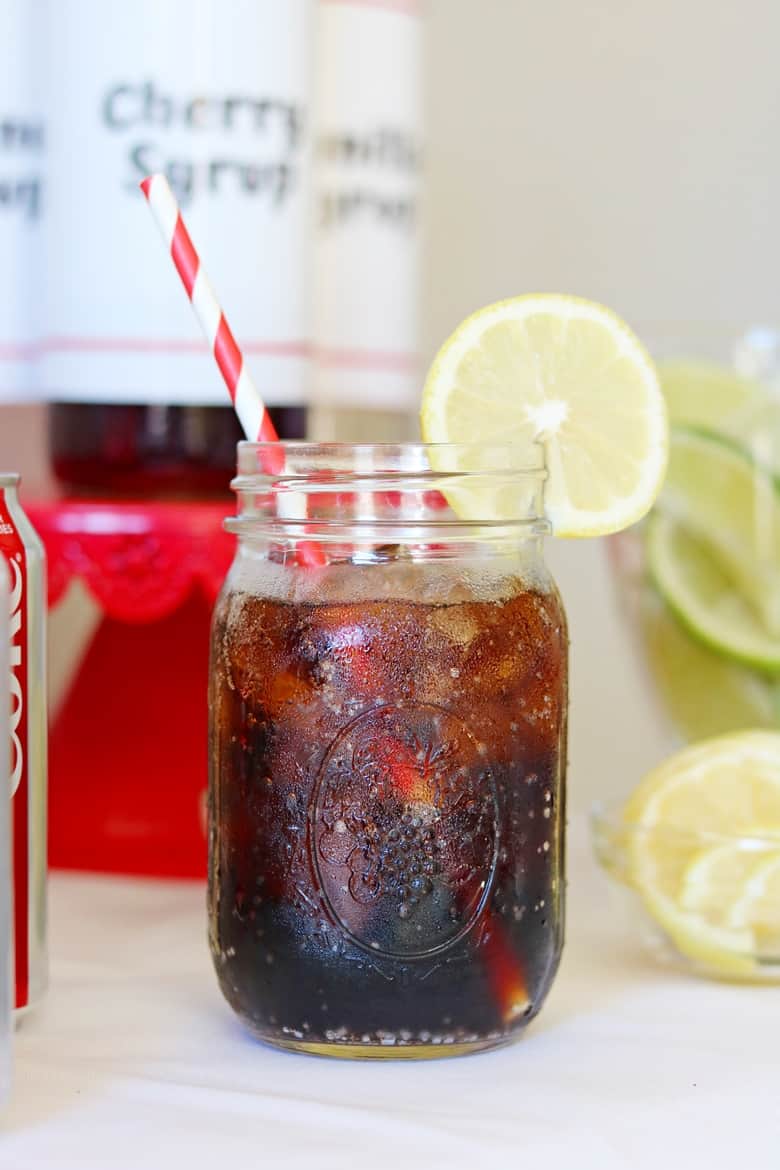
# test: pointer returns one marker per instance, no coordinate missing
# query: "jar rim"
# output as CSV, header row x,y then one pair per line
x,y
390,490
297,458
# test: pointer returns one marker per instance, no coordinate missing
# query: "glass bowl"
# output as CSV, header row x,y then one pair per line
x,y
695,691
707,903
700,578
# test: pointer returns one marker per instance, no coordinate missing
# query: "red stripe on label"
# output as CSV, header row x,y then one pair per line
x,y
366,359
282,348
16,353
184,256
353,359
228,356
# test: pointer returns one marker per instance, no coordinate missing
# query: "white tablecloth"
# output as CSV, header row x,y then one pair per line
x,y
135,1062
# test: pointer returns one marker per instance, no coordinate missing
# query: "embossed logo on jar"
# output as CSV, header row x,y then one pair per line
x,y
404,831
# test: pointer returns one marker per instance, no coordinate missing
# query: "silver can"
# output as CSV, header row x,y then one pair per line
x,y
23,552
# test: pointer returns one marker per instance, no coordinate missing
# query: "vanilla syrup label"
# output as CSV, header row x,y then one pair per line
x,y
368,160
217,101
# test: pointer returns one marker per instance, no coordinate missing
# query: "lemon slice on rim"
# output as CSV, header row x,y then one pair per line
x,y
571,374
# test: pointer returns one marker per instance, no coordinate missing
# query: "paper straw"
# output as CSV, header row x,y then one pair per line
x,y
246,398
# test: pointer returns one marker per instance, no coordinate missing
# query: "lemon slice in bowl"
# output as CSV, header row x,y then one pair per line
x,y
758,906
571,374
727,786
717,877
734,889
722,951
705,796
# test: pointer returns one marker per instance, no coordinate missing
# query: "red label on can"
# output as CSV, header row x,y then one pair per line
x,y
12,546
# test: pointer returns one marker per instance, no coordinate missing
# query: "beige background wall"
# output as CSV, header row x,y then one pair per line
x,y
627,151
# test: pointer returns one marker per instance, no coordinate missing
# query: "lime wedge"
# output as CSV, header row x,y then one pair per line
x,y
688,576
757,429
703,394
705,693
723,497
571,374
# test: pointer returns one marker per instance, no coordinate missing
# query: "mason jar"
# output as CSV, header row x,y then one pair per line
x,y
388,704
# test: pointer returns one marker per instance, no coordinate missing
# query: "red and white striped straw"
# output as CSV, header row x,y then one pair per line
x,y
245,396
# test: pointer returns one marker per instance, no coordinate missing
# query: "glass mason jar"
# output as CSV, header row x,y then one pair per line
x,y
387,749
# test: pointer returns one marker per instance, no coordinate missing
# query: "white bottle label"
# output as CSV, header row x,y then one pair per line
x,y
368,142
215,97
21,147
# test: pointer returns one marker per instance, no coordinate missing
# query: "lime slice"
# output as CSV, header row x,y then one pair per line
x,y
704,693
703,394
688,576
569,373
714,398
757,429
722,496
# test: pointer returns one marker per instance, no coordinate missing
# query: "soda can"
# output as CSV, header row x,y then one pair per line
x,y
6,980
24,557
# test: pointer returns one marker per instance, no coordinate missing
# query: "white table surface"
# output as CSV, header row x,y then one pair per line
x,y
135,1062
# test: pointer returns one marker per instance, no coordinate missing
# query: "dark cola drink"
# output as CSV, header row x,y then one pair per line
x,y
387,813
